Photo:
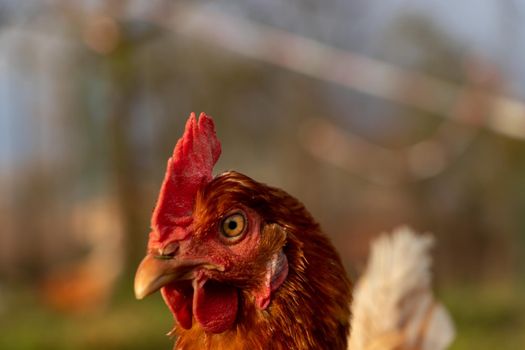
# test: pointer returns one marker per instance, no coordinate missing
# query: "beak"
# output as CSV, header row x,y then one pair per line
x,y
154,272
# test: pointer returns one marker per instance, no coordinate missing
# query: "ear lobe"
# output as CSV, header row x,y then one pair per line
x,y
276,273
274,237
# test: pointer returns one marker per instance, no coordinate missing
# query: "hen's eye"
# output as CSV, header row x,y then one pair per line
x,y
233,226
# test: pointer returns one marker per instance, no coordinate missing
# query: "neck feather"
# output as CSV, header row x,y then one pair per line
x,y
309,311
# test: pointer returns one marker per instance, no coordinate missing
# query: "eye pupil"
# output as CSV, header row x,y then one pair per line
x,y
232,225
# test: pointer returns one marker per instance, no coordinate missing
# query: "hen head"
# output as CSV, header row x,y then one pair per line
x,y
229,253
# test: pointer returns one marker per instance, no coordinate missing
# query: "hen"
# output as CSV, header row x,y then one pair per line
x,y
241,265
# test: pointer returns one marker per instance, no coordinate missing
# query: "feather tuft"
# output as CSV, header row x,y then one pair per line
x,y
394,307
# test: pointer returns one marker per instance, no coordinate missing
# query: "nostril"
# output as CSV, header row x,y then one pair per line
x,y
168,251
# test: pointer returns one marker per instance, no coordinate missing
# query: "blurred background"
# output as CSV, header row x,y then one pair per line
x,y
373,113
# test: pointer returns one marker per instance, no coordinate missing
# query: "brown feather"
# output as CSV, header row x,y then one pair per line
x,y
310,310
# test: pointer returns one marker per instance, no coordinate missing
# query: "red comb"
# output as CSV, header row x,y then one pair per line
x,y
189,168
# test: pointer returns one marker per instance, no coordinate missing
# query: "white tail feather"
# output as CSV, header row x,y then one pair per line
x,y
394,308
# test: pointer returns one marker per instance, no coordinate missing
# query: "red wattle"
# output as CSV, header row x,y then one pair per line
x,y
215,305
180,304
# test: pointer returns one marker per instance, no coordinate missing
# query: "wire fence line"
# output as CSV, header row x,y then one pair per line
x,y
366,75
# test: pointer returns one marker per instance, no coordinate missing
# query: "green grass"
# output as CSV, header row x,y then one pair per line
x,y
485,317
489,317
127,324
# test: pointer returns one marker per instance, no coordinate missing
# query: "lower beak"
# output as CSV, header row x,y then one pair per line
x,y
154,273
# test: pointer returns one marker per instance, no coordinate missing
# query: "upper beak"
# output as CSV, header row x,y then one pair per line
x,y
154,273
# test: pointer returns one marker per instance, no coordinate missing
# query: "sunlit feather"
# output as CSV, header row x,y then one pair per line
x,y
394,307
